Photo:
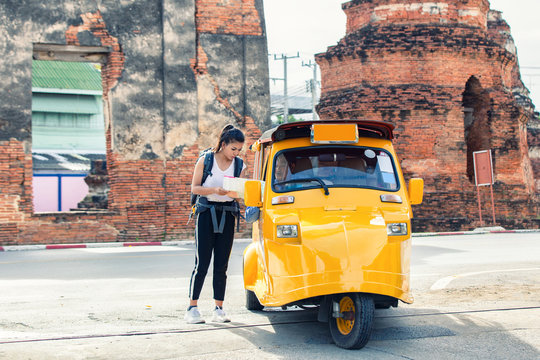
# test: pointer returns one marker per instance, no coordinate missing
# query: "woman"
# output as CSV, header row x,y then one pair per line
x,y
215,223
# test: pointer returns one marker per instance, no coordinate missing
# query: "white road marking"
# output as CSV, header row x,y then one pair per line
x,y
442,283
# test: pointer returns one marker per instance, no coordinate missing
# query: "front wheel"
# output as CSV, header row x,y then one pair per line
x,y
351,320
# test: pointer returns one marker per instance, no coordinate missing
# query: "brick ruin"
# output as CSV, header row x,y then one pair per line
x,y
173,75
447,75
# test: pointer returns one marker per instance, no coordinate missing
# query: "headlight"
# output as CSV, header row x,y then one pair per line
x,y
287,231
396,229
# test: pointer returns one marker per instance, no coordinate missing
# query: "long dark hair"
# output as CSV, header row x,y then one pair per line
x,y
228,135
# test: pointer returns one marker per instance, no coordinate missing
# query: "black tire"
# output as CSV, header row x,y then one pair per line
x,y
252,303
352,333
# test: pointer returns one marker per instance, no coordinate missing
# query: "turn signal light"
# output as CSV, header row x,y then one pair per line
x,y
392,198
282,200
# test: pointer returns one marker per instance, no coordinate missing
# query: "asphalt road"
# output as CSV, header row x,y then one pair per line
x,y
476,297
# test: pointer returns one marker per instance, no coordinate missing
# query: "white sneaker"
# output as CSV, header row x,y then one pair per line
x,y
220,316
193,316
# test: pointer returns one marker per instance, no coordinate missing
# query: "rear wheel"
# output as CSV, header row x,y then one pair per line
x,y
252,303
351,320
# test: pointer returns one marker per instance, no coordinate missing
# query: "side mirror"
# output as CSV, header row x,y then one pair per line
x,y
252,193
252,214
416,191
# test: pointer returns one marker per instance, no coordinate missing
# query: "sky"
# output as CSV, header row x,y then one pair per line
x,y
308,27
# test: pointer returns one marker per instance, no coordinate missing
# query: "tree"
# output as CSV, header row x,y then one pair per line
x,y
291,119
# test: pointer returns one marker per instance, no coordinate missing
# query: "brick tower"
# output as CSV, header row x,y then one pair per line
x,y
446,74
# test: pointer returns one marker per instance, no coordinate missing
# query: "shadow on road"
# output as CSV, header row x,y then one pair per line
x,y
396,334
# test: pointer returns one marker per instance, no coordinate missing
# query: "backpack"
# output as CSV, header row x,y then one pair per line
x,y
207,170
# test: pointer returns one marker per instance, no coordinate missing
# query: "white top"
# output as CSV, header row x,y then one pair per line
x,y
216,180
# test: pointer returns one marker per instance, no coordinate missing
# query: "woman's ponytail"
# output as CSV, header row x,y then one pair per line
x,y
228,135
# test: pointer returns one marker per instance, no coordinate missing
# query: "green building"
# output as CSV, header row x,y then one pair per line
x,y
68,131
67,107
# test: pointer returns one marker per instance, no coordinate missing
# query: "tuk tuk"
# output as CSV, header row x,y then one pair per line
x,y
333,226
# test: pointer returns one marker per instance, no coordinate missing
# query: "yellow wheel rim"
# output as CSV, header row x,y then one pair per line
x,y
344,326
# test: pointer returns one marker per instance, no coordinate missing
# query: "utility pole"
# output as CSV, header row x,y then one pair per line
x,y
313,88
285,95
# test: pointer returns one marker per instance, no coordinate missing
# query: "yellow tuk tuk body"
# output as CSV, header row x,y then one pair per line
x,y
315,238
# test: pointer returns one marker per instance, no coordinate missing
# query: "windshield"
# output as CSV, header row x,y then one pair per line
x,y
338,166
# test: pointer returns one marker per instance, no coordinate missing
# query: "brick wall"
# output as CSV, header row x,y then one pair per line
x,y
238,17
421,68
168,90
16,189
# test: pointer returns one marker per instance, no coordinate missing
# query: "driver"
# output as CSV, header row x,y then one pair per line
x,y
282,171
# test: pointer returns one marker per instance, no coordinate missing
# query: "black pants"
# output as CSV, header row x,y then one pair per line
x,y
208,242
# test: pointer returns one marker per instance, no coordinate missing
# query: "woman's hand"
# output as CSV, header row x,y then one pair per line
x,y
221,191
